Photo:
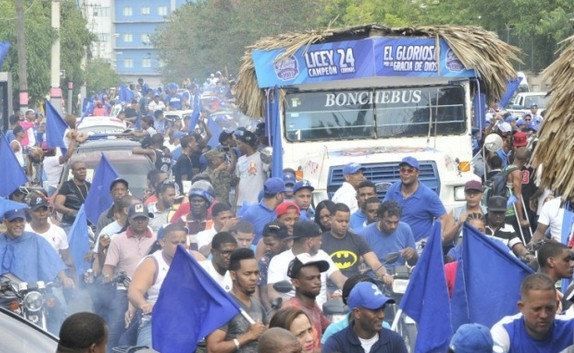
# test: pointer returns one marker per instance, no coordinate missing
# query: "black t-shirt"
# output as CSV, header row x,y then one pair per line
x,y
75,197
528,183
345,252
162,161
183,166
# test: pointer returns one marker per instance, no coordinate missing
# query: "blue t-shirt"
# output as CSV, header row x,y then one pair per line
x,y
510,335
419,210
357,221
259,215
382,244
174,101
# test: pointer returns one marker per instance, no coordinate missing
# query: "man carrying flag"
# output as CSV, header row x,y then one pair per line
x,y
241,333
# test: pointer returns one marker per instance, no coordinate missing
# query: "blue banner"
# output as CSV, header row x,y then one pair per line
x,y
12,176
363,58
99,198
55,127
79,243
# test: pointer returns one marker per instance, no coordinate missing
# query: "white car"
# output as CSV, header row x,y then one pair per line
x,y
101,125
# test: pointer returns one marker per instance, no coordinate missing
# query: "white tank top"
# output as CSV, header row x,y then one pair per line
x,y
161,270
19,154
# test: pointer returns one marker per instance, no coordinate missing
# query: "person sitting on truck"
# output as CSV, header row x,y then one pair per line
x,y
365,190
420,204
536,117
347,193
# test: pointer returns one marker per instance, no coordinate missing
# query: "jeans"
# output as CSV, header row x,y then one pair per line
x,y
144,332
116,317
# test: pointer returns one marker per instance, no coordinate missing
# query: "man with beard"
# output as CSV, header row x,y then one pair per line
x,y
239,335
72,194
420,204
305,275
222,246
556,261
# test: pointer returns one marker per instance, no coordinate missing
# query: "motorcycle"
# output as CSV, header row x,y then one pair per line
x,y
33,301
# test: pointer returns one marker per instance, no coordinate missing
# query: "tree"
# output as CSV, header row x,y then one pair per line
x,y
99,76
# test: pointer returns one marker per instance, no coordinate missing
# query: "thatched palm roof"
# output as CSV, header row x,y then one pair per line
x,y
475,47
556,137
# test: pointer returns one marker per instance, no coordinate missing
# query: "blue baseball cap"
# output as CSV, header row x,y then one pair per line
x,y
410,161
510,119
13,214
520,122
273,186
303,184
367,295
352,168
533,105
472,338
289,178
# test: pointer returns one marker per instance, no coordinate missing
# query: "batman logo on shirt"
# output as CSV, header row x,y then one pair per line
x,y
344,259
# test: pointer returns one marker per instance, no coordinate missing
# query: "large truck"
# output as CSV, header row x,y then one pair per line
x,y
374,95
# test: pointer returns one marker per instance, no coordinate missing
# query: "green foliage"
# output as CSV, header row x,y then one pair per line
x,y
99,76
39,38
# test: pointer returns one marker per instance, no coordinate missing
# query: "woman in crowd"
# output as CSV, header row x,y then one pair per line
x,y
296,321
323,213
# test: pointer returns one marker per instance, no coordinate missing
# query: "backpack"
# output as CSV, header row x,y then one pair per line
x,y
496,185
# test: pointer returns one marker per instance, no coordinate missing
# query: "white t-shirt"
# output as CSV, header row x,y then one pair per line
x,y
53,168
277,272
348,195
205,237
552,215
252,173
224,281
368,343
55,235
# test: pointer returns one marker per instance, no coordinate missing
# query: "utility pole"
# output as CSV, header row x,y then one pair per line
x,y
55,90
22,64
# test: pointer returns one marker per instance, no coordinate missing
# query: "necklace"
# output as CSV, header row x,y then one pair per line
x,y
82,194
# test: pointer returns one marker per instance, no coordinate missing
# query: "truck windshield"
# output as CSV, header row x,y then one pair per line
x,y
375,113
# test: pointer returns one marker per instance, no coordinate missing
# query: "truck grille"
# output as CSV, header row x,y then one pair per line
x,y
386,173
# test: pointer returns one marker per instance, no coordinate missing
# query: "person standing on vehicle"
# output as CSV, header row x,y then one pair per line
x,y
155,152
250,170
72,194
366,333
118,189
536,117
347,193
148,278
126,250
346,248
305,275
365,190
419,203
156,104
389,235
536,328
238,334
183,168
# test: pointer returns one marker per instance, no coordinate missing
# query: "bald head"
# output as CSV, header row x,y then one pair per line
x,y
278,340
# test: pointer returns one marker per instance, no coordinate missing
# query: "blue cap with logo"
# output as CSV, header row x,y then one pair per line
x,y
289,180
303,184
352,168
472,338
13,214
367,295
410,161
273,186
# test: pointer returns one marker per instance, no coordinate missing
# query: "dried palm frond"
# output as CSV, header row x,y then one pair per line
x,y
556,136
475,47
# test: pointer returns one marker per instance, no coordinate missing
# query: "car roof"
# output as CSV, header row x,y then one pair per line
x,y
20,336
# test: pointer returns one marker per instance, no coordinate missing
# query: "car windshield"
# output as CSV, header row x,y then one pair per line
x,y
540,101
375,113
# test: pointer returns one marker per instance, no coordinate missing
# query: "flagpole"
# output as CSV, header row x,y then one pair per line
x,y
396,320
247,316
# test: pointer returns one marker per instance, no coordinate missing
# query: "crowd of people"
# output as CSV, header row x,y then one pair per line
x,y
250,231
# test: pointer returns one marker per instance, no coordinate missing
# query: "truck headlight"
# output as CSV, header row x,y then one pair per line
x,y
459,193
400,285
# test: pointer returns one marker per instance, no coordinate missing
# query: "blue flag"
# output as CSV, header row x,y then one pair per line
x,y
12,176
55,127
87,108
125,95
4,48
99,198
275,124
487,270
195,114
426,299
189,307
79,243
7,205
511,87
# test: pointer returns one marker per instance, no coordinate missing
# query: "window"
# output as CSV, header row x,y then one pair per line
x,y
145,39
103,37
146,62
128,11
128,37
128,63
162,10
145,10
102,12
375,113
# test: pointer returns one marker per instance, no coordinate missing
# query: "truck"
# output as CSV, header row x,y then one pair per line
x,y
374,95
524,100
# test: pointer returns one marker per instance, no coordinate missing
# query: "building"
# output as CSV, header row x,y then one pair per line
x,y
123,28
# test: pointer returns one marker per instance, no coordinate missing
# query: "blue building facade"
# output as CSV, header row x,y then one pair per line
x,y
134,23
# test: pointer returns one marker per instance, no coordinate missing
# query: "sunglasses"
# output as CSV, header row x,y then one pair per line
x,y
407,170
